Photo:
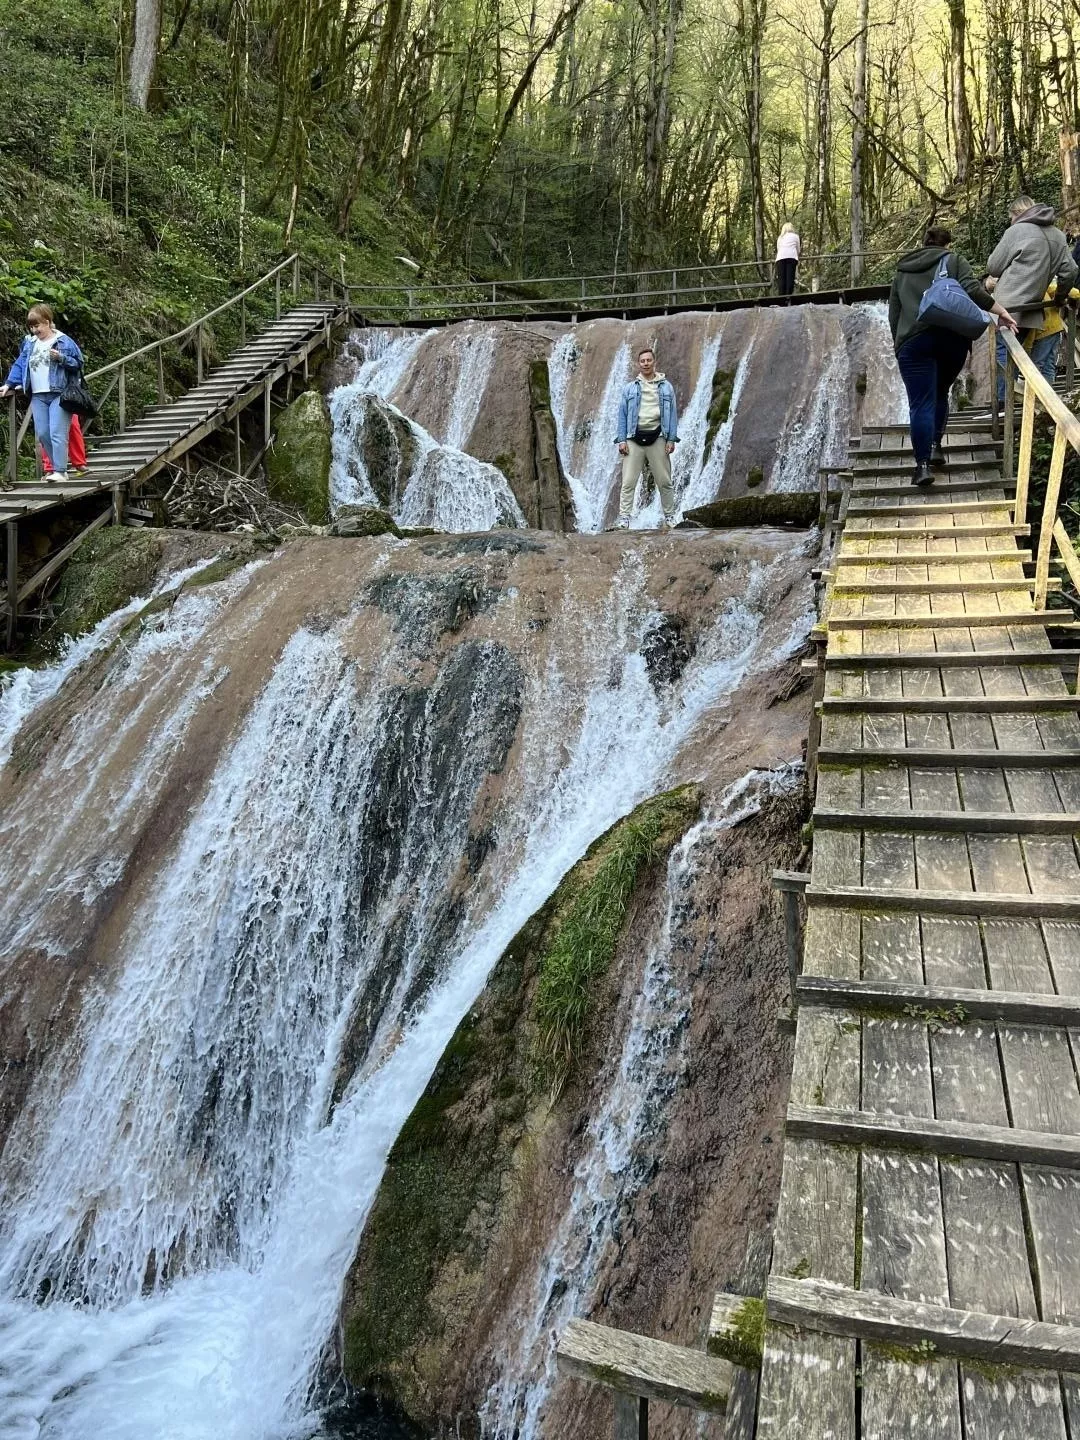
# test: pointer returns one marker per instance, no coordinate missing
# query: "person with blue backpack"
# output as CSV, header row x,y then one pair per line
x,y
936,309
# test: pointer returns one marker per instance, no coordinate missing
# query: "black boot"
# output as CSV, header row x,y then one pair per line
x,y
923,474
937,457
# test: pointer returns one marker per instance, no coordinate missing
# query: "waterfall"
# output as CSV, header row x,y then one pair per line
x,y
183,1187
441,486
591,482
623,1135
885,402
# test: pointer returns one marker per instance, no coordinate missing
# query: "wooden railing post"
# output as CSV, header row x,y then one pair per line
x,y
277,296
13,439
1023,468
161,395
631,1417
296,276
1049,518
1008,456
243,320
199,354
121,398
995,406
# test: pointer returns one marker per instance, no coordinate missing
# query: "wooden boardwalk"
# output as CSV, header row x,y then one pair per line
x,y
925,1277
168,431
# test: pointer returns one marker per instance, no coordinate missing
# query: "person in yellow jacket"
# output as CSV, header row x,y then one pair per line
x,y
1043,345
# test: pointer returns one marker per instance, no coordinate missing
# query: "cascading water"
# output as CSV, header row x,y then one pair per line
x,y
440,486
182,1189
623,1134
591,481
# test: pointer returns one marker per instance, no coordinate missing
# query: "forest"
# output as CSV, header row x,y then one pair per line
x,y
176,145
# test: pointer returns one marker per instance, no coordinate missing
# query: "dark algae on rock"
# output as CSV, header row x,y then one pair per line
x,y
462,1162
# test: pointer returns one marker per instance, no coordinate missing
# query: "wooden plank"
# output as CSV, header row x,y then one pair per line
x,y
995,1339
952,1004
950,821
934,1137
843,586
873,561
857,530
952,704
636,1365
935,622
968,759
950,659
935,902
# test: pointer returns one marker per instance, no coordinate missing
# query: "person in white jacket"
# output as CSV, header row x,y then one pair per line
x,y
788,250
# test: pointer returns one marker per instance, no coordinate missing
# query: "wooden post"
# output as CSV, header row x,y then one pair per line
x,y
1008,456
995,408
239,456
13,439
318,285
1049,517
266,414
792,884
198,355
161,395
674,285
631,1417
243,319
121,398
1023,469
277,296
296,276
117,505
12,580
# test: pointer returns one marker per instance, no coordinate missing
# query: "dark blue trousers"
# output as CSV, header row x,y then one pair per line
x,y
929,363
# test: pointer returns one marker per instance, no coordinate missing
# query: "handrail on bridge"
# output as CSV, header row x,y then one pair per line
x,y
1037,393
118,369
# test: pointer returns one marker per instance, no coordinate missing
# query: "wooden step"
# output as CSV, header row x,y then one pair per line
x,y
638,1366
935,557
916,508
934,1137
944,902
956,822
950,622
902,486
933,532
937,587
952,759
949,704
970,1335
1011,1007
953,659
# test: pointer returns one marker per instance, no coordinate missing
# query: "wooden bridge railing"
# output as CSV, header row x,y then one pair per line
x,y
1038,395
291,280
640,289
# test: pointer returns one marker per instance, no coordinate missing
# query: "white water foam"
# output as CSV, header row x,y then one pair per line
x,y
475,348
591,482
820,436
195,1262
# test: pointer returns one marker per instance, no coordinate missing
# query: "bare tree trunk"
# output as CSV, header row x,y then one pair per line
x,y
858,142
144,51
822,197
961,114
751,24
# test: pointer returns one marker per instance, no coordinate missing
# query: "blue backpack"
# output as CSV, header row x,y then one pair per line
x,y
945,302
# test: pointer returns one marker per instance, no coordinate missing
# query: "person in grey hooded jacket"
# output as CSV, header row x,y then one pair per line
x,y
1031,254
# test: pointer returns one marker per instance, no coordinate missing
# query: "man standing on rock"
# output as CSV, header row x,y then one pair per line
x,y
647,430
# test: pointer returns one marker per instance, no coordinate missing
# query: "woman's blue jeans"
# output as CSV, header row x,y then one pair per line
x,y
929,363
51,425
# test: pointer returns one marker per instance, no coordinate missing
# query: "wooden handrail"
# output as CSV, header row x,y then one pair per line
x,y
1038,393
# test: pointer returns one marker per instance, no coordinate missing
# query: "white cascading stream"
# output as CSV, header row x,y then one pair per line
x,y
447,488
178,1270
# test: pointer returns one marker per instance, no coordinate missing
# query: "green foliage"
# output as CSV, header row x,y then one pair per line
x,y
579,955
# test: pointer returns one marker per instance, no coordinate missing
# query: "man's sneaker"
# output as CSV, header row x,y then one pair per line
x,y
923,474
937,457
57,477
623,522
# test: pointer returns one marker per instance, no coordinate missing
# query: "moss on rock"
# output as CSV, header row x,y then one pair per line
x,y
107,569
458,1171
355,520
723,387
298,461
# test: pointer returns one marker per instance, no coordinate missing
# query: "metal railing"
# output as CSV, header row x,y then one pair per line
x,y
678,287
1039,394
249,310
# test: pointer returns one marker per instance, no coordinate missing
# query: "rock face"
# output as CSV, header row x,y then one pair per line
x,y
298,461
554,506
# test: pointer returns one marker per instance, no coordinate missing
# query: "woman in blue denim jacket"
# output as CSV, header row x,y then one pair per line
x,y
42,368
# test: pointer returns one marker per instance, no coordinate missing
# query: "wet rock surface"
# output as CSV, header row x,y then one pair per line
x,y
298,461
